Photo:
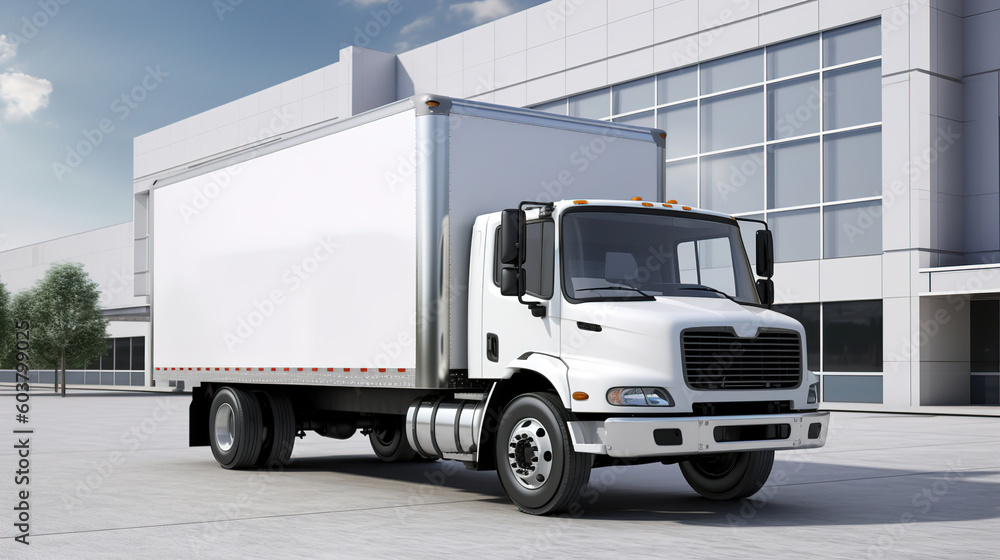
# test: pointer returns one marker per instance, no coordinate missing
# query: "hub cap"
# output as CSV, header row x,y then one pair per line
x,y
529,453
224,433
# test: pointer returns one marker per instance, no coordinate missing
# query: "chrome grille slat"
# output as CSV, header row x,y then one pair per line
x,y
718,360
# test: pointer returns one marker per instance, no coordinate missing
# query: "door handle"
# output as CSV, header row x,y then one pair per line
x,y
492,347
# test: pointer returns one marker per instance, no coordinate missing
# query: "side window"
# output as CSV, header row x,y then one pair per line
x,y
539,261
708,262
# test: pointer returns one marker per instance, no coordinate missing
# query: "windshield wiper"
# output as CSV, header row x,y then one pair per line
x,y
708,289
629,288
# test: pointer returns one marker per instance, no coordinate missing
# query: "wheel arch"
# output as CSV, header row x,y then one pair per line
x,y
528,374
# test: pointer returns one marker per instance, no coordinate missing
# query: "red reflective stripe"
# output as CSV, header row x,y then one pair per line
x,y
364,369
381,369
401,370
272,369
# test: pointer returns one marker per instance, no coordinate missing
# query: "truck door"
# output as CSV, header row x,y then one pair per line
x,y
509,329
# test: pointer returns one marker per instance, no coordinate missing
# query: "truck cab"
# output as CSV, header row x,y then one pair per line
x,y
649,324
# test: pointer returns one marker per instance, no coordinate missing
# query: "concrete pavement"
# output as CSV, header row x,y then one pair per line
x,y
112,477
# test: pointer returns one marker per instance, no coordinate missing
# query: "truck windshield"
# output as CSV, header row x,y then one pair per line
x,y
623,255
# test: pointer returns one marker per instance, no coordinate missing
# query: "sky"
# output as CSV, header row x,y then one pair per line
x,y
68,68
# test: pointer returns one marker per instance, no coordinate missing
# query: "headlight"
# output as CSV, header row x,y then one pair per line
x,y
640,396
813,394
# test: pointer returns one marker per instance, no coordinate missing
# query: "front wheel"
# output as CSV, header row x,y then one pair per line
x,y
728,476
536,463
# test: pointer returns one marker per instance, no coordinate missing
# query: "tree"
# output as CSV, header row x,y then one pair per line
x,y
67,328
6,330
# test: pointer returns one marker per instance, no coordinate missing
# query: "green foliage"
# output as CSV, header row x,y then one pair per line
x,y
65,313
6,330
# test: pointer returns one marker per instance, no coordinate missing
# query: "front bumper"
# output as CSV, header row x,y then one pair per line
x,y
652,437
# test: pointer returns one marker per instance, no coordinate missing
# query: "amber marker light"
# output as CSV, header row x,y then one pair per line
x,y
433,103
636,198
650,204
672,201
579,202
580,396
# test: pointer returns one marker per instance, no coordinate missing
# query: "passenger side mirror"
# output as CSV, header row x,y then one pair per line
x,y
511,233
765,291
511,282
765,254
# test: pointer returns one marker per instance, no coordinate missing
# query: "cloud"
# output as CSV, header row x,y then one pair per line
x,y
22,95
8,49
482,11
419,23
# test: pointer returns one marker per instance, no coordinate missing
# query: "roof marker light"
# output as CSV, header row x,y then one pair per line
x,y
668,205
433,103
647,203
672,201
579,202
636,198
686,207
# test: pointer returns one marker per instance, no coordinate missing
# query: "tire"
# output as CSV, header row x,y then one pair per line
x,y
388,440
536,463
728,476
278,436
234,428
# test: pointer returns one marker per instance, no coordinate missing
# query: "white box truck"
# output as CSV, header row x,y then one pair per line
x,y
413,273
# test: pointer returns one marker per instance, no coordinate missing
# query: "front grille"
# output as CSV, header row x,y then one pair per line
x,y
716,360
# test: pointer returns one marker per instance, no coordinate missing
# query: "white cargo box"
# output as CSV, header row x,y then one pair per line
x,y
308,259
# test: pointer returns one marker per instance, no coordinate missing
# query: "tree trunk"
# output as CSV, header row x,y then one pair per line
x,y
62,364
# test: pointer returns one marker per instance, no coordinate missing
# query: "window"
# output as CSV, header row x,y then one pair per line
x,y
848,95
852,230
793,178
557,107
853,164
733,182
708,262
796,234
852,388
633,96
138,353
852,336
682,181
793,107
108,359
681,125
734,119
593,105
732,72
793,57
677,85
808,315
123,352
539,258
645,118
854,42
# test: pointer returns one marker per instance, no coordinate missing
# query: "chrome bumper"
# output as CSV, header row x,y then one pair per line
x,y
651,437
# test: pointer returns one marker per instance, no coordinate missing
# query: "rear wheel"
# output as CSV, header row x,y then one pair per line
x,y
279,429
536,463
728,476
388,440
235,426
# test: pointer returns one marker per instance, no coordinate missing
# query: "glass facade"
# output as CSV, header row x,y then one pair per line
x,y
791,132
123,363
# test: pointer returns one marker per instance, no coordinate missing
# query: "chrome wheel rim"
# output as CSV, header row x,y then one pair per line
x,y
529,453
224,430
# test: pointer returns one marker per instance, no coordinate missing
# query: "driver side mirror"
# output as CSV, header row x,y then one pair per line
x,y
510,282
765,254
511,232
765,291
